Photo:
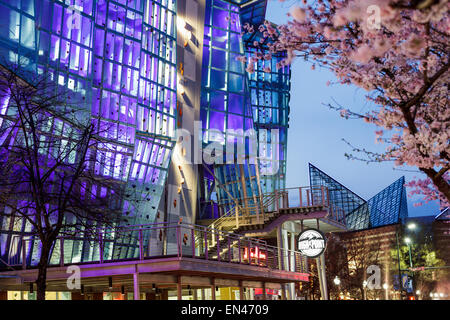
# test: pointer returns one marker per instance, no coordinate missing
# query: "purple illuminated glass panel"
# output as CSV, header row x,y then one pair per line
x,y
129,93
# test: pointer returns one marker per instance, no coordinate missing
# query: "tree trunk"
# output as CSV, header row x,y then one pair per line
x,y
42,272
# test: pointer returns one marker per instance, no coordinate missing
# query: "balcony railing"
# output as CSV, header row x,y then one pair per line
x,y
298,197
159,240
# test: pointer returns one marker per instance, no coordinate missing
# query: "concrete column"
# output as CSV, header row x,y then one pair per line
x,y
292,247
164,295
319,274
179,289
285,238
137,294
280,247
325,286
241,291
283,243
322,276
195,294
213,289
202,294
283,292
264,291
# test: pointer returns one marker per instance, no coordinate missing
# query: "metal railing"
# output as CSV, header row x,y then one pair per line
x,y
336,214
298,197
160,240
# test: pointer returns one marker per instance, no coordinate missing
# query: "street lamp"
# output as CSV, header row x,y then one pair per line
x,y
364,289
408,241
337,282
385,287
411,226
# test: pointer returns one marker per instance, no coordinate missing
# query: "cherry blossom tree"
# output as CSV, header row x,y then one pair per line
x,y
396,50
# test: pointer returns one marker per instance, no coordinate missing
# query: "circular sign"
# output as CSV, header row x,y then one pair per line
x,y
311,243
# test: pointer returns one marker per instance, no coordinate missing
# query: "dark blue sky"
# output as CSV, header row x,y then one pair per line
x,y
316,132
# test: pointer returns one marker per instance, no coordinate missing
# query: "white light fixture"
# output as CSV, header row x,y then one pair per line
x,y
182,91
188,35
411,226
183,27
385,286
181,23
337,281
407,240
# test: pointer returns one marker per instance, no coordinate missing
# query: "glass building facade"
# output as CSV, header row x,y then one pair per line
x,y
225,111
235,102
389,206
120,58
270,96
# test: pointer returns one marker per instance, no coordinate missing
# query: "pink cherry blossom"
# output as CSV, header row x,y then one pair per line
x,y
401,58
298,14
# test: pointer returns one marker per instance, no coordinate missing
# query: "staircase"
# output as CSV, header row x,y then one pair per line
x,y
273,208
301,200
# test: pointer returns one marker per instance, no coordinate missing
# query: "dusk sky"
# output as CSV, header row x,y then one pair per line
x,y
316,132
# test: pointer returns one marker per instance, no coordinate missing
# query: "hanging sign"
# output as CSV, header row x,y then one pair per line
x,y
311,243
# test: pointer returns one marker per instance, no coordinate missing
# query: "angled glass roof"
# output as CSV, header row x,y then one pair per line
x,y
388,206
340,195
